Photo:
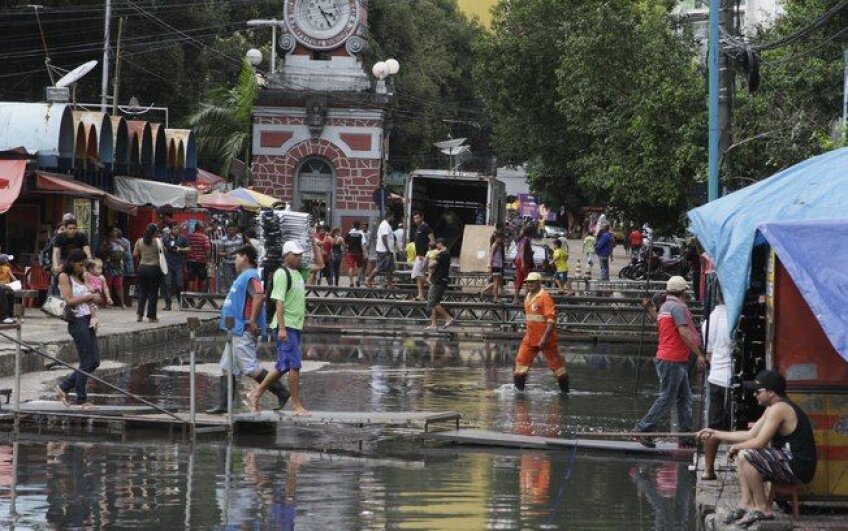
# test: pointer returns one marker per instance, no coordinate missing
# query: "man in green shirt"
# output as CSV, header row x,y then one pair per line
x,y
289,296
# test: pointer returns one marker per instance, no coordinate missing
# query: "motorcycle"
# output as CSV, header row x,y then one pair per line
x,y
659,268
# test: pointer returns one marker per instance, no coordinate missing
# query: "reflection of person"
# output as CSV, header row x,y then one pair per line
x,y
290,299
244,305
668,489
677,338
541,335
779,448
77,295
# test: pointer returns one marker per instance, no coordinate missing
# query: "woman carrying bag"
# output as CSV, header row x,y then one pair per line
x,y
79,299
151,268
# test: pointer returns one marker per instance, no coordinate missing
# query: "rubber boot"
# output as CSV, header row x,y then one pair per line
x,y
277,389
519,380
222,393
564,387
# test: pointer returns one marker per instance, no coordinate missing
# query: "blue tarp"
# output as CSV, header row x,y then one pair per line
x,y
815,254
815,189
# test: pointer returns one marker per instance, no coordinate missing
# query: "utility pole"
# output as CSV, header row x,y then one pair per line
x,y
116,81
715,133
845,96
104,82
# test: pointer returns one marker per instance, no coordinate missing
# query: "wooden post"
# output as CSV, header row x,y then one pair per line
x,y
19,312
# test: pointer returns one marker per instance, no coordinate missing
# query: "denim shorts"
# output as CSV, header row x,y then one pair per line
x,y
288,352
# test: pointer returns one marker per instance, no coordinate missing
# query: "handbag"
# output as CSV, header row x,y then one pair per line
x,y
163,264
57,307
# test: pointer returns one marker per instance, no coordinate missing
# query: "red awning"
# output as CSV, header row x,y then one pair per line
x,y
52,182
11,180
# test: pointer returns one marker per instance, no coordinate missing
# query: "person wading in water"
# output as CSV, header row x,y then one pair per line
x,y
541,335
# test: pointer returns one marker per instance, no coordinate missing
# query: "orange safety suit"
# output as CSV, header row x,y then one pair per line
x,y
539,310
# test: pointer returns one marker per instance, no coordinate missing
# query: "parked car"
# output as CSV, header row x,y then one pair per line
x,y
553,231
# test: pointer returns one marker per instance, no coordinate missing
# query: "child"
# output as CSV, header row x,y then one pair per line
x,y
96,282
561,264
7,297
431,256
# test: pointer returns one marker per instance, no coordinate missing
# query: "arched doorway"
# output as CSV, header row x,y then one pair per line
x,y
315,187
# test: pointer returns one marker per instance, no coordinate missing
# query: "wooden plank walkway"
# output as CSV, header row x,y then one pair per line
x,y
511,440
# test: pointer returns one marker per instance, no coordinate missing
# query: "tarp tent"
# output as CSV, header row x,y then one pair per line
x,y
815,254
155,193
815,189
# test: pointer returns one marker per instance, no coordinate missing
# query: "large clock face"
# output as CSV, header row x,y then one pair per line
x,y
322,24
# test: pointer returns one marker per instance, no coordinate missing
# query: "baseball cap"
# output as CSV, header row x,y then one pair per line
x,y
533,277
676,284
292,247
768,380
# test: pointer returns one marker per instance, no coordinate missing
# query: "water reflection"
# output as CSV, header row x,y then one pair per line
x,y
72,478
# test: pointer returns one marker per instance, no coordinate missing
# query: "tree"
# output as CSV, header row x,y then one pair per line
x,y
224,125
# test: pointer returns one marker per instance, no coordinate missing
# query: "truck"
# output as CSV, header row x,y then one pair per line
x,y
450,200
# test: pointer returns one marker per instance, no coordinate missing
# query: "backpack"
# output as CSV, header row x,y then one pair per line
x,y
46,255
354,242
270,305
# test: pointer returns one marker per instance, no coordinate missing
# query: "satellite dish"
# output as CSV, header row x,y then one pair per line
x,y
76,74
454,151
450,144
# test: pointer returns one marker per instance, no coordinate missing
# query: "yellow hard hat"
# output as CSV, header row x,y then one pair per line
x,y
533,277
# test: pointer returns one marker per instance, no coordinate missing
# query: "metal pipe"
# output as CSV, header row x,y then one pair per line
x,y
714,133
192,323
18,364
229,324
104,82
40,352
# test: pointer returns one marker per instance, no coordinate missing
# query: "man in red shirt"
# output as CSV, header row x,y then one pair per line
x,y
198,258
635,241
677,339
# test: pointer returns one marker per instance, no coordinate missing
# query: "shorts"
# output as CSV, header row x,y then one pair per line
x,y
561,276
354,260
196,271
771,463
419,267
435,295
244,355
497,272
288,352
385,262
719,415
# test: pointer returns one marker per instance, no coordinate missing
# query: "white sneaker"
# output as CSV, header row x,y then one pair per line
x,y
8,320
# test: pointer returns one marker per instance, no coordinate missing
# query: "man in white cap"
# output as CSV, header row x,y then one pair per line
x,y
290,298
677,340
541,335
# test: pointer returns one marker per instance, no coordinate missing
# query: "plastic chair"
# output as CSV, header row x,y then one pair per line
x,y
785,490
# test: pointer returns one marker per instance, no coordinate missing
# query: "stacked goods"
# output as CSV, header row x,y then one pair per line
x,y
279,226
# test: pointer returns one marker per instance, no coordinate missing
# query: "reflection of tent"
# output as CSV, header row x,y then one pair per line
x,y
251,196
814,189
219,201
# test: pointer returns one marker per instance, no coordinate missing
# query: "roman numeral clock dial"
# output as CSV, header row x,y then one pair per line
x,y
322,24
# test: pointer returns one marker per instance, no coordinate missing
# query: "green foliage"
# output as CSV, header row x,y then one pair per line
x,y
797,111
224,124
603,97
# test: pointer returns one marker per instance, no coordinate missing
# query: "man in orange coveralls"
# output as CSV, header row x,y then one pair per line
x,y
541,335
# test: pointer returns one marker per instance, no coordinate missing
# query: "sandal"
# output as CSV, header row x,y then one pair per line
x,y
752,517
63,396
734,515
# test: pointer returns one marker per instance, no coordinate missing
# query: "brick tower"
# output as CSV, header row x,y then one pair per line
x,y
318,126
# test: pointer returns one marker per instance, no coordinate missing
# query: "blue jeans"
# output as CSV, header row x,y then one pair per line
x,y
674,388
85,341
603,263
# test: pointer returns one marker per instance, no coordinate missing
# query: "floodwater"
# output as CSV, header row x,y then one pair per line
x,y
334,477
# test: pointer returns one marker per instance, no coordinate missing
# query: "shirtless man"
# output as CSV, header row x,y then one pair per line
x,y
779,448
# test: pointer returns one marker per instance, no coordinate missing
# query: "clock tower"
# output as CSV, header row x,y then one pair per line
x,y
318,123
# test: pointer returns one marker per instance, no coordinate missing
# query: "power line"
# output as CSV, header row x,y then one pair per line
x,y
804,31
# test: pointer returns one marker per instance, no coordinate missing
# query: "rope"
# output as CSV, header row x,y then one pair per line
x,y
95,378
617,434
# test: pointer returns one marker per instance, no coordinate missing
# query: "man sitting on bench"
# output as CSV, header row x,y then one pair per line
x,y
790,459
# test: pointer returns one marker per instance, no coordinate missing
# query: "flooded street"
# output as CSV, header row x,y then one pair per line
x,y
336,477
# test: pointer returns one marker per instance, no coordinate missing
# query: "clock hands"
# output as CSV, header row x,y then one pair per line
x,y
326,16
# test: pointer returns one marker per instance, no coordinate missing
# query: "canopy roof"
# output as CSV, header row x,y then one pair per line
x,y
55,183
814,189
155,193
219,201
11,179
252,196
205,181
818,270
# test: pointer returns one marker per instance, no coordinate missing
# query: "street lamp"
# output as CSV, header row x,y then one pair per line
x,y
254,56
382,70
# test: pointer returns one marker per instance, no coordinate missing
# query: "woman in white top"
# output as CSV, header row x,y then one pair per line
x,y
77,295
